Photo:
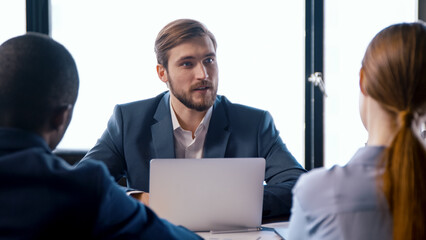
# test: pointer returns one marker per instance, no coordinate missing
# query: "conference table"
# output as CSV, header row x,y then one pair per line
x,y
275,230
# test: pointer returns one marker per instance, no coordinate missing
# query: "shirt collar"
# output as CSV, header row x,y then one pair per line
x,y
368,155
205,122
13,138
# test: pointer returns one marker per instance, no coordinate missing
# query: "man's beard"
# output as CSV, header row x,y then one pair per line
x,y
186,100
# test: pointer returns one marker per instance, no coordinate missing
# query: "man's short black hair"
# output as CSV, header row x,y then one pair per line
x,y
37,77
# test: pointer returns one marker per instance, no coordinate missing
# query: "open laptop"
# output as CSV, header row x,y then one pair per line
x,y
210,194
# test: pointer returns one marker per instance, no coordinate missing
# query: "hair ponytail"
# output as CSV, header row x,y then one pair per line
x,y
404,183
394,67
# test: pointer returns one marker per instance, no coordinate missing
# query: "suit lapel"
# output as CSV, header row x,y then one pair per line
x,y
162,130
218,133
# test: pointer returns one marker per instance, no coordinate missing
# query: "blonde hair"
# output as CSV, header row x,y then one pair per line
x,y
394,68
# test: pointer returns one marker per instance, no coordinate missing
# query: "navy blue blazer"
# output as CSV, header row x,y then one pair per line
x,y
43,197
140,131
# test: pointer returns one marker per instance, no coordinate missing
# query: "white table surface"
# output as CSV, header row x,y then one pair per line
x,y
265,234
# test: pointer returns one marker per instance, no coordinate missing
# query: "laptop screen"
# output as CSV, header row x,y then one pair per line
x,y
208,194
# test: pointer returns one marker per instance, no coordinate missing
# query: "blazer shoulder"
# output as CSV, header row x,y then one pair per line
x,y
145,106
237,109
143,103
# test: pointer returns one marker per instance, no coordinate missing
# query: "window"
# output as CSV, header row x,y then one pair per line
x,y
349,27
260,56
12,19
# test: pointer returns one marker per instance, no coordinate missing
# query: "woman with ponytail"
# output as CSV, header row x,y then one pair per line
x,y
381,192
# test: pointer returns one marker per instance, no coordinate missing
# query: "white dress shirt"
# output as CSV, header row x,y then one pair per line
x,y
185,145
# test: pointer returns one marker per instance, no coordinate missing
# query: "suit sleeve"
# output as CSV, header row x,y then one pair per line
x,y
282,170
122,217
109,148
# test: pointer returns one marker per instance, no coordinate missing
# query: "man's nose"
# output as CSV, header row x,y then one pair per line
x,y
202,72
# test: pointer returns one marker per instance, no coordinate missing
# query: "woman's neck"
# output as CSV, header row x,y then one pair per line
x,y
381,124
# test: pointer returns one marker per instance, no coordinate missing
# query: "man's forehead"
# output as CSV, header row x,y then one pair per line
x,y
192,48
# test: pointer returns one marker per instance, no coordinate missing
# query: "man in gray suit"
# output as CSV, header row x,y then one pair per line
x,y
192,121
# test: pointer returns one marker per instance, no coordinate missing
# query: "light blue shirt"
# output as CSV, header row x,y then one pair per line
x,y
342,202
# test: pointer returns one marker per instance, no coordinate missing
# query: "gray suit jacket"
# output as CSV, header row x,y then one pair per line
x,y
140,131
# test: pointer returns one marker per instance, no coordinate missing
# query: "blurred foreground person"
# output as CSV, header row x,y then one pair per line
x,y
41,196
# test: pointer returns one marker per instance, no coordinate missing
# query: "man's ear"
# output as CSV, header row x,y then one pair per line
x,y
61,117
162,73
361,82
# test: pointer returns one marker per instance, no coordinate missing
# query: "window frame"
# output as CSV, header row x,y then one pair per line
x,y
38,20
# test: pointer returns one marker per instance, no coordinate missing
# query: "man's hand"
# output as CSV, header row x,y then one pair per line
x,y
141,197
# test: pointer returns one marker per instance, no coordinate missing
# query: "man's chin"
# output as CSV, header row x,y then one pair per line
x,y
196,102
200,106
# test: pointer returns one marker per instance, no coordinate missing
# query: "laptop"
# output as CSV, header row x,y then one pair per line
x,y
209,194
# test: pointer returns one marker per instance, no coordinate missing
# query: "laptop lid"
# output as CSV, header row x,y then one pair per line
x,y
210,194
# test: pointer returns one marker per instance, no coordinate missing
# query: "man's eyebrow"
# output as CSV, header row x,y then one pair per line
x,y
212,54
186,58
